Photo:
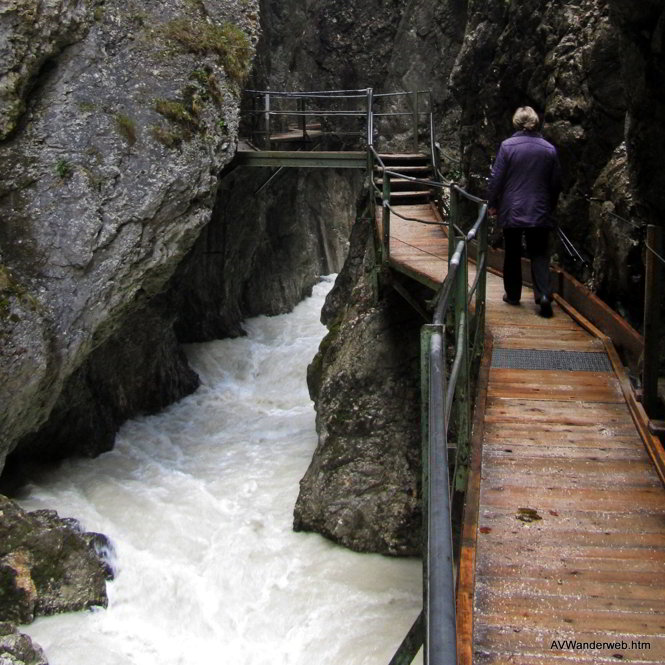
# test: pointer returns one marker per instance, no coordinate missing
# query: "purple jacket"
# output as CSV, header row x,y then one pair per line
x,y
525,181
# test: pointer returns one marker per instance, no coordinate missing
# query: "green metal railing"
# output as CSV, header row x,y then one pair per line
x,y
349,115
459,314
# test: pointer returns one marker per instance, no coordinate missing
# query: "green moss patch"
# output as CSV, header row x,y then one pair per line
x,y
227,41
126,127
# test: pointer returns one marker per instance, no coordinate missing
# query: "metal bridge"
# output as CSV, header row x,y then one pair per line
x,y
561,552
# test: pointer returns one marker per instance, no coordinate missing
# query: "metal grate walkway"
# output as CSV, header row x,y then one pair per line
x,y
573,361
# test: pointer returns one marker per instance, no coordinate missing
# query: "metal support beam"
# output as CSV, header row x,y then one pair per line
x,y
300,159
385,243
410,644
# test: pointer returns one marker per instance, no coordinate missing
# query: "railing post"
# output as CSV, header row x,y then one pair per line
x,y
415,120
481,293
462,401
453,221
426,333
370,117
303,121
652,301
386,216
266,118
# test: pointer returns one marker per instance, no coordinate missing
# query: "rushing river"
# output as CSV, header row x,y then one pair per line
x,y
198,502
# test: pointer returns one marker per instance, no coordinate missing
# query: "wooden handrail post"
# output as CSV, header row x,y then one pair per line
x,y
653,289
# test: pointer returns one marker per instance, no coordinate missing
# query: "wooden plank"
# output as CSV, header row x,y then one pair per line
x,y
558,392
571,450
508,596
533,646
631,623
551,413
567,569
552,498
590,591
551,377
624,526
572,472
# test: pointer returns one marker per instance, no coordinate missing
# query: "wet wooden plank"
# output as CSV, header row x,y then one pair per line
x,y
622,623
564,444
590,592
553,498
529,646
572,472
620,525
554,385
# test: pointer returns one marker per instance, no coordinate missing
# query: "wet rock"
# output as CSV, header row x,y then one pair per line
x,y
31,34
48,565
17,648
140,370
261,254
615,227
362,486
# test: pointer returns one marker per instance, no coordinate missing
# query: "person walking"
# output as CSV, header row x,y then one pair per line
x,y
523,190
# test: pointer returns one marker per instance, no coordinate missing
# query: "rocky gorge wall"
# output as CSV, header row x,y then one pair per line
x,y
123,234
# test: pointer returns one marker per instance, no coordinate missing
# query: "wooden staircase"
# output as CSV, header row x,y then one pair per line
x,y
402,190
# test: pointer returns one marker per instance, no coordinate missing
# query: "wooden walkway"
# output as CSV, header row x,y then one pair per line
x,y
563,545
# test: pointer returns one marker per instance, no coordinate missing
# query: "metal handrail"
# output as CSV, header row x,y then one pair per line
x,y
453,299
264,106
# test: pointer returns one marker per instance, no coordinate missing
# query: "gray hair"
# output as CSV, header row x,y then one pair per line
x,y
526,118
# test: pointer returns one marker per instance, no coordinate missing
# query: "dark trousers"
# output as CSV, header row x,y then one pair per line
x,y
537,246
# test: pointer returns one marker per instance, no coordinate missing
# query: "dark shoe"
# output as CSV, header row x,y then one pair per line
x,y
509,301
545,307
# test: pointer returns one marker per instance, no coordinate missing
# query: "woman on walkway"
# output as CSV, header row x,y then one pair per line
x,y
523,191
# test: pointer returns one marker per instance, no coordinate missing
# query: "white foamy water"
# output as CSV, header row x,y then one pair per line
x,y
198,502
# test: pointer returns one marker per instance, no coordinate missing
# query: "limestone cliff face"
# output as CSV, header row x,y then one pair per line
x,y
117,118
270,238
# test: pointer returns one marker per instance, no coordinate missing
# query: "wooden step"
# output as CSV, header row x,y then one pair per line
x,y
404,157
425,168
397,184
423,193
